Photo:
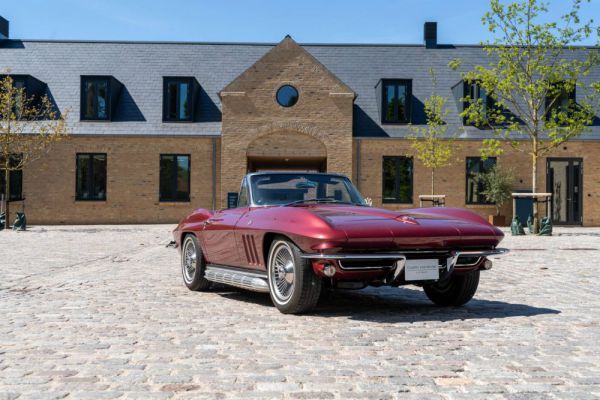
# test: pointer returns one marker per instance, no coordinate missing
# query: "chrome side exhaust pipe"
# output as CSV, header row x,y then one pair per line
x,y
487,265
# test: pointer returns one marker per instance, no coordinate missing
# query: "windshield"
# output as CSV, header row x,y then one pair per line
x,y
299,188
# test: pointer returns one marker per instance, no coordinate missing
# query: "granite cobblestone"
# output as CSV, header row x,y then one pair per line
x,y
101,313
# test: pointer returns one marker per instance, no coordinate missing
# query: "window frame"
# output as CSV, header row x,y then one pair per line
x,y
83,98
18,172
467,202
90,174
244,194
548,108
408,105
489,101
397,199
190,80
161,199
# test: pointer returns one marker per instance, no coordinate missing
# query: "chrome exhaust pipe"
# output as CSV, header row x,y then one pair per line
x,y
487,265
255,282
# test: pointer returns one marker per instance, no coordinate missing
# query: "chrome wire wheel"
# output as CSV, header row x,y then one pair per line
x,y
282,272
189,262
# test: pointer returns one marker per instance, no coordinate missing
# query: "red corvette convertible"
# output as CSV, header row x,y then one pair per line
x,y
293,234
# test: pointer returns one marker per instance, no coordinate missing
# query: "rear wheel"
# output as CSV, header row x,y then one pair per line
x,y
456,291
192,264
293,285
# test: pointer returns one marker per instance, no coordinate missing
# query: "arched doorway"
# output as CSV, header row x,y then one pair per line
x,y
286,151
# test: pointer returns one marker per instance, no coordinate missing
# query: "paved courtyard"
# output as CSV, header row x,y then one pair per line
x,y
101,312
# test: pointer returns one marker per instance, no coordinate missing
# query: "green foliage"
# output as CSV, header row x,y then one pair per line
x,y
28,127
430,143
497,184
533,69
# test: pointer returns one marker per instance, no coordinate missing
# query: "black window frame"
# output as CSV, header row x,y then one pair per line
x,y
14,175
489,101
548,108
90,176
468,174
33,88
191,81
409,100
282,87
163,199
83,97
397,199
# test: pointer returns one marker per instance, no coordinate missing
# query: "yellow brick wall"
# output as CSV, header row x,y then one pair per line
x,y
133,176
320,122
132,181
451,180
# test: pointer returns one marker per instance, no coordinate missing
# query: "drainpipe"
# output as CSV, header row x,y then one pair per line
x,y
214,173
358,164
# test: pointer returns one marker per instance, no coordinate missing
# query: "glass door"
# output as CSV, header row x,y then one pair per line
x,y
564,180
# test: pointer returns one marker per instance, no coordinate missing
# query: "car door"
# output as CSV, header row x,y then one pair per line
x,y
219,232
219,236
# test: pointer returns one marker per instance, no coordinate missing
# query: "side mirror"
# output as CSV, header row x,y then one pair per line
x,y
232,199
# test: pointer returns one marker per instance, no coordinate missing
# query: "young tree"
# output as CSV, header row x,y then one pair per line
x,y
530,82
28,126
497,186
430,143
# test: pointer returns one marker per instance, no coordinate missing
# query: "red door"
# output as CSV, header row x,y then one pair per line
x,y
219,237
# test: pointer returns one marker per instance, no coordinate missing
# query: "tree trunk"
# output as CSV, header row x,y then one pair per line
x,y
432,181
534,185
6,197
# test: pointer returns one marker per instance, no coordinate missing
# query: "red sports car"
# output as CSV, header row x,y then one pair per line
x,y
293,234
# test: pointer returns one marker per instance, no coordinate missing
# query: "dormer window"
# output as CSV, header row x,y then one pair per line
x,y
493,114
179,98
396,102
33,90
99,96
561,100
475,92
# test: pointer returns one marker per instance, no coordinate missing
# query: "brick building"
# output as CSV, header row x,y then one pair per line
x,y
159,129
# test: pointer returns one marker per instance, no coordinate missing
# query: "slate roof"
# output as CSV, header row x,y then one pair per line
x,y
140,66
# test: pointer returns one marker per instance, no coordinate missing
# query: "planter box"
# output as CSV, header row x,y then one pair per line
x,y
497,220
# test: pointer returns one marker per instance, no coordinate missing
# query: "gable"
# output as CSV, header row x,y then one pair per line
x,y
283,63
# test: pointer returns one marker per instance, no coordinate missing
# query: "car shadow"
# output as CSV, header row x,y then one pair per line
x,y
395,305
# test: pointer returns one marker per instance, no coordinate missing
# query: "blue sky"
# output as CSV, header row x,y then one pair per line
x,y
308,21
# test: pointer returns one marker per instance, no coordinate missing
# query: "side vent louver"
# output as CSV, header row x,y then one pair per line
x,y
250,249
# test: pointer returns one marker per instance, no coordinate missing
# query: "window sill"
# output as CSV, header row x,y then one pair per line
x,y
83,201
479,206
401,123
174,203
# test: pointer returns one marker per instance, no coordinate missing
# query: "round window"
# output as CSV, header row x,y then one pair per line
x,y
287,96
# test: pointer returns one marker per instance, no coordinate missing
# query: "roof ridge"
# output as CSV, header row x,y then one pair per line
x,y
441,46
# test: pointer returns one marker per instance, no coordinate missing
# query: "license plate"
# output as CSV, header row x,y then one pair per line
x,y
421,270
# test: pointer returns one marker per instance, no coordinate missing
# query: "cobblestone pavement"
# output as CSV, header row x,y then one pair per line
x,y
101,312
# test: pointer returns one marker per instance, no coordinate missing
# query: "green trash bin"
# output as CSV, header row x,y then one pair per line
x,y
20,222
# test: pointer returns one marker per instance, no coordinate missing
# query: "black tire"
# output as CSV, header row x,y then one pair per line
x,y
458,290
193,279
306,286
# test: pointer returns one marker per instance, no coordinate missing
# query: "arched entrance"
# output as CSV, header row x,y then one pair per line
x,y
286,151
